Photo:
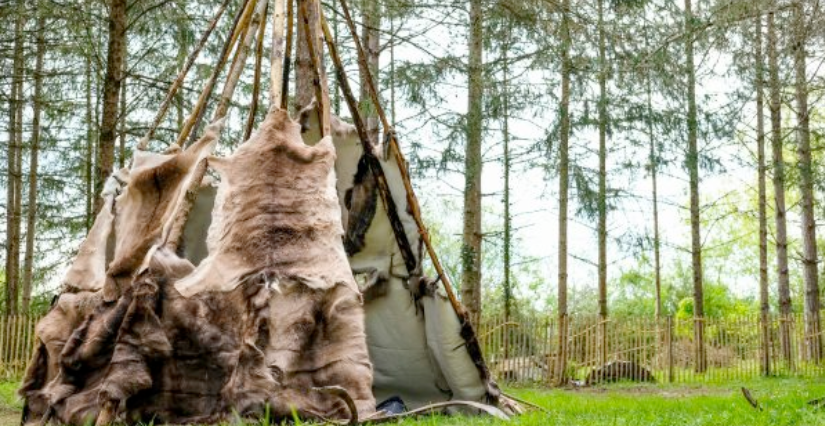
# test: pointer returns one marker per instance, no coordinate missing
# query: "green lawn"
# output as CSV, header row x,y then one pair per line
x,y
783,402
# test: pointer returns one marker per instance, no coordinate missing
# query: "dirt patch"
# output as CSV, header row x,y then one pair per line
x,y
9,418
652,390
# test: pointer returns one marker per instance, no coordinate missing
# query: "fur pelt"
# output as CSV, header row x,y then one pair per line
x,y
272,314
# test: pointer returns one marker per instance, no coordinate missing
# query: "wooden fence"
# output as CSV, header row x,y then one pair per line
x,y
16,344
525,350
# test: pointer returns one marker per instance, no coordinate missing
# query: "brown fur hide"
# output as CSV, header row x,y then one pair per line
x,y
271,314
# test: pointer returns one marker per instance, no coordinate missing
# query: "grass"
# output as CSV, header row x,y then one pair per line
x,y
783,402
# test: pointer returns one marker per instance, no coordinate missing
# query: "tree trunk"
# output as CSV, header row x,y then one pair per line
x,y
90,148
693,169
371,35
784,287
654,162
764,301
15,160
304,88
115,59
392,71
602,189
121,138
505,106
564,183
31,218
471,249
810,273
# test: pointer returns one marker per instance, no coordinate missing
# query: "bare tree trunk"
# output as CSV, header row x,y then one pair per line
x,y
602,189
654,162
764,301
31,218
15,160
471,249
121,138
803,135
693,170
304,88
564,183
371,35
90,148
116,57
508,220
784,287
392,72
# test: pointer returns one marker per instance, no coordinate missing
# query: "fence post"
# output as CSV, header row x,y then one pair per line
x,y
669,339
766,343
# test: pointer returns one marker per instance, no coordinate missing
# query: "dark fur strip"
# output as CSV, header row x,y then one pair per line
x,y
474,350
361,202
375,166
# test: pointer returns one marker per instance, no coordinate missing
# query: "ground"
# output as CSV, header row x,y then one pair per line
x,y
784,402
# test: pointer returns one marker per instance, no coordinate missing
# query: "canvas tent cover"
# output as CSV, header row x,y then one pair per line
x,y
263,311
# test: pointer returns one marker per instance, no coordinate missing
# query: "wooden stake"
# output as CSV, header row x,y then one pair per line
x,y
173,90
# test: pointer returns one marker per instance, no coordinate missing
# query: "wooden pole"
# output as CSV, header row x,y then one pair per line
x,y
238,27
669,339
256,81
407,253
395,151
276,59
173,238
173,90
321,90
290,21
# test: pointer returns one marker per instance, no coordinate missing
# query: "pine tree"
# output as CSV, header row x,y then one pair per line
x,y
31,213
803,139
764,301
115,59
784,288
692,163
564,185
471,248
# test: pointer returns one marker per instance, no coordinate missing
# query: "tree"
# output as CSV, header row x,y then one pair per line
x,y
31,214
304,75
806,184
564,185
508,217
692,163
764,301
472,236
115,59
15,161
371,36
603,118
784,287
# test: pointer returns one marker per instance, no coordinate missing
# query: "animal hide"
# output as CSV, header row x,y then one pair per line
x,y
271,315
